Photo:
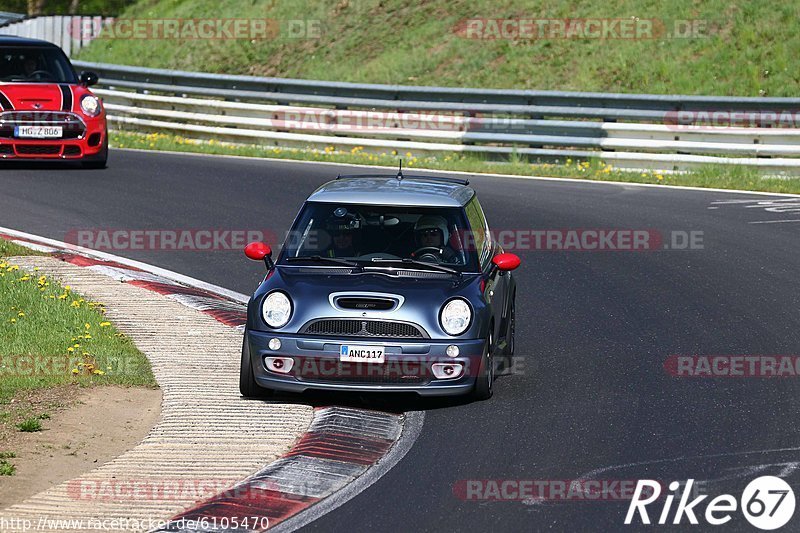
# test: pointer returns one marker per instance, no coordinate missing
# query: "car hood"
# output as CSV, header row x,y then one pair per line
x,y
40,96
311,294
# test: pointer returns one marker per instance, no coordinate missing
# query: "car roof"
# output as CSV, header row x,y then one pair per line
x,y
421,191
13,40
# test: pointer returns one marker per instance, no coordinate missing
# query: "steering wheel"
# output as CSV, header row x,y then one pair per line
x,y
40,74
431,252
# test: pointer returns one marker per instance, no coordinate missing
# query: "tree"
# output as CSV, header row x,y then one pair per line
x,y
35,7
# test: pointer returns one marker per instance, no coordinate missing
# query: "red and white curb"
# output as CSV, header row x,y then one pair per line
x,y
343,452
340,446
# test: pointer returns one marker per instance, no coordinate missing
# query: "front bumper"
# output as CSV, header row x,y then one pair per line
x,y
407,366
83,140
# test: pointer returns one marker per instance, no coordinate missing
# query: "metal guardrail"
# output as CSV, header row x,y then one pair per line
x,y
627,130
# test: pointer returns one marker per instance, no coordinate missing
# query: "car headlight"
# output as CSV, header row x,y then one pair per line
x,y
276,309
90,105
455,316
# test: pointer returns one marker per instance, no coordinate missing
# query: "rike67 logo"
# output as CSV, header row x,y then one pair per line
x,y
767,502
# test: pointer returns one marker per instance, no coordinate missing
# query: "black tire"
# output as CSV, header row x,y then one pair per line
x,y
484,384
100,160
247,381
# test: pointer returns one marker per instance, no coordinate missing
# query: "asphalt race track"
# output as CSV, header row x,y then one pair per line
x,y
592,399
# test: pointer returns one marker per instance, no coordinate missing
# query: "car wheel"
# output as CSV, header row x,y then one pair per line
x,y
247,381
484,384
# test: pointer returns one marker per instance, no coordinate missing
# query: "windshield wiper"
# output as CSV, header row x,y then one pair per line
x,y
416,262
320,259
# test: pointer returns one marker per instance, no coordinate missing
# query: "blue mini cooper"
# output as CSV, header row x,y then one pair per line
x,y
384,283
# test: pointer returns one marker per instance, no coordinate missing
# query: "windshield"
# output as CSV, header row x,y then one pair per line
x,y
374,235
35,65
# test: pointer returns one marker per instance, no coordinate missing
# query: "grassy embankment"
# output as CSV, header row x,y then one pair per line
x,y
52,342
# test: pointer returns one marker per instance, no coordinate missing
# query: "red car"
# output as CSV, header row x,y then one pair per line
x,y
47,111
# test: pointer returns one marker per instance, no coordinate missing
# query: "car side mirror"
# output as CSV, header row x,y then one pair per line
x,y
506,262
258,251
88,78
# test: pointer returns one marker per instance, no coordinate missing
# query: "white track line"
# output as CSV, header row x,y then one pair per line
x,y
174,276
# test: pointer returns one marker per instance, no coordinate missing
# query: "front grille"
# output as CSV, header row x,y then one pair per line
x,y
6,149
38,149
73,126
332,371
72,150
364,328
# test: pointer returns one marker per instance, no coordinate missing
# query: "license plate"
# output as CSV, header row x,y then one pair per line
x,y
38,132
361,354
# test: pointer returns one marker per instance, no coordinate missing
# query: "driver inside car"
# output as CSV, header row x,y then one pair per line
x,y
343,238
30,66
431,236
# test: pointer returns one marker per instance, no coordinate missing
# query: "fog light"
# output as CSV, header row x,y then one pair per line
x,y
274,344
280,365
447,370
452,350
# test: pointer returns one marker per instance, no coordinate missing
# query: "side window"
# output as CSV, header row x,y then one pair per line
x,y
481,238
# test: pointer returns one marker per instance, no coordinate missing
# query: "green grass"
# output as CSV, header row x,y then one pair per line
x,y
50,336
717,176
8,249
750,48
6,468
30,425
7,455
